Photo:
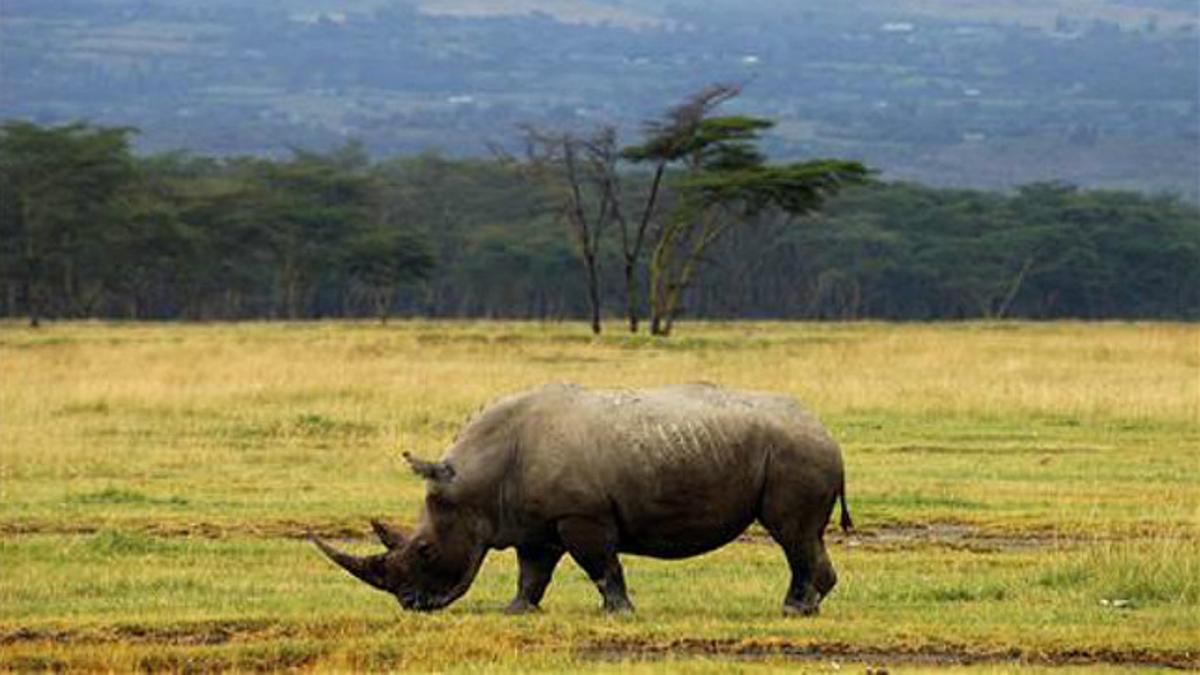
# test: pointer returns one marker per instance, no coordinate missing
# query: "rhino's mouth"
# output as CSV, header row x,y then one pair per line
x,y
418,600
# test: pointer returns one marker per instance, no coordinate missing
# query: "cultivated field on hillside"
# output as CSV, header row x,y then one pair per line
x,y
1026,495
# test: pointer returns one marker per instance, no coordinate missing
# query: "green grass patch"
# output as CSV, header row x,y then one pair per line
x,y
112,495
1026,494
272,603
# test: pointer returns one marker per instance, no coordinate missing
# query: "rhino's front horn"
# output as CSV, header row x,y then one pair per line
x,y
369,569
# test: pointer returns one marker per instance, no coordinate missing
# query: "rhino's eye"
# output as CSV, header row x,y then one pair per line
x,y
439,500
426,550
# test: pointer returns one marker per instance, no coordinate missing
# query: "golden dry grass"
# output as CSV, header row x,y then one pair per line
x,y
152,478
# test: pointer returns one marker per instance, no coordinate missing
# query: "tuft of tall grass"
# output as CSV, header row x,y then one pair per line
x,y
1162,571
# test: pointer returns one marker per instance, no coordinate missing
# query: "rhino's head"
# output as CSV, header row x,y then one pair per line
x,y
429,570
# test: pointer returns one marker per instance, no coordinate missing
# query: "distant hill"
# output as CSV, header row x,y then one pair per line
x,y
1100,93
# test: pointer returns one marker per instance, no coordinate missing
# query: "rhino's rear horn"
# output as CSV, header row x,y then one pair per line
x,y
369,569
434,471
388,535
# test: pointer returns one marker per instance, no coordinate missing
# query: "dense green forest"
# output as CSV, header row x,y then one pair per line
x,y
88,228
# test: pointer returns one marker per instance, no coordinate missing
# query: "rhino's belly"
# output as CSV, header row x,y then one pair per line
x,y
676,539
671,520
675,516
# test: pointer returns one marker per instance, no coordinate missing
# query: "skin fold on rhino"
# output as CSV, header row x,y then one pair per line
x,y
668,473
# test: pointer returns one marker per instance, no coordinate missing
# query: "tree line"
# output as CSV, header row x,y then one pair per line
x,y
691,221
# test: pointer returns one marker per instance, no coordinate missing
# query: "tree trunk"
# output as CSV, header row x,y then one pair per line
x,y
31,264
593,292
35,319
668,284
291,297
633,250
10,305
383,304
1013,289
660,272
631,296
33,294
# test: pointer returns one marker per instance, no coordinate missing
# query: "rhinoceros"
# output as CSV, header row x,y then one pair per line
x,y
668,473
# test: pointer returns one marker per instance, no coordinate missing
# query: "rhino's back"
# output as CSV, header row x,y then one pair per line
x,y
662,429
681,468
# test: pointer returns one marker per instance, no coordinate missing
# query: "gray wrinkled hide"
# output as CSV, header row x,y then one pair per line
x,y
669,472
681,469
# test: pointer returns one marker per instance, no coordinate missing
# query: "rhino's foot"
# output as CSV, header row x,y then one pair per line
x,y
521,606
801,609
618,606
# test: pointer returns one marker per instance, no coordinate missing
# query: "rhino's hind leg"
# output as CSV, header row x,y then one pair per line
x,y
537,566
803,598
593,546
801,539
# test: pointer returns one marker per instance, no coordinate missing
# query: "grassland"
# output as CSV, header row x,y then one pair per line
x,y
1028,495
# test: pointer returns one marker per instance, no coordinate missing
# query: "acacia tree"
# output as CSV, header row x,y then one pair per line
x,y
716,179
586,171
722,181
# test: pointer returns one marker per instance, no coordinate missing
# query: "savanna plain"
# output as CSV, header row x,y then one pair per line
x,y
1027,496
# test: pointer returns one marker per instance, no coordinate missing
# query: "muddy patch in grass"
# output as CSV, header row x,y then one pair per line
x,y
896,536
199,633
969,538
203,633
944,535
273,529
273,646
840,653
262,647
953,536
891,537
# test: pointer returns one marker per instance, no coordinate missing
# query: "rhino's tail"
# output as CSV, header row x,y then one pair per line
x,y
847,523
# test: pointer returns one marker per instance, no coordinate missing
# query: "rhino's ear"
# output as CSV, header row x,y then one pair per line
x,y
435,471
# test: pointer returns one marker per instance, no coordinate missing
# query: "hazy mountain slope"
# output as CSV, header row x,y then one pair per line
x,y
943,91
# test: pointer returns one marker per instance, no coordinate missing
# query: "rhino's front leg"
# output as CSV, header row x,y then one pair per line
x,y
537,566
593,545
